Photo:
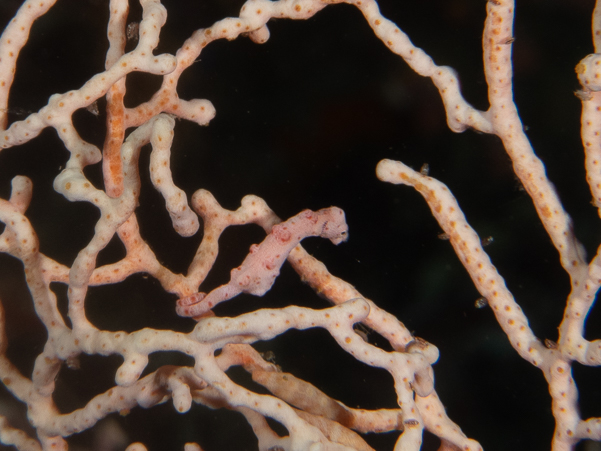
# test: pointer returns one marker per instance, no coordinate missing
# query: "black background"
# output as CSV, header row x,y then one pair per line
x,y
302,121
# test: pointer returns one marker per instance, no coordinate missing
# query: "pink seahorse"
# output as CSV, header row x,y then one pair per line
x,y
262,265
